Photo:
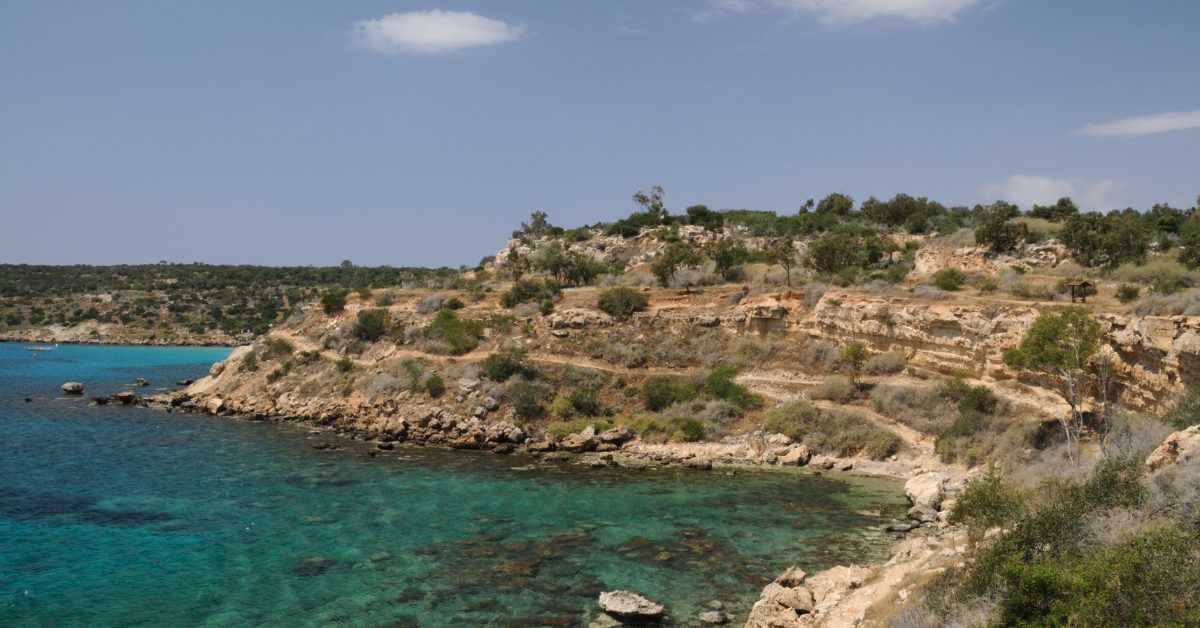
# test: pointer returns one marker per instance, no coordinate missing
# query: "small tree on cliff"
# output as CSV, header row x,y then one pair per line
x,y
676,256
783,254
1057,348
854,355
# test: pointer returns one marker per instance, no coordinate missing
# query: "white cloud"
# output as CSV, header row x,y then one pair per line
x,y
721,8
847,11
1143,125
1026,191
431,32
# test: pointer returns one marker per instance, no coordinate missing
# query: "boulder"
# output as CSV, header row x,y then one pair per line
x,y
503,448
215,405
1179,447
779,440
923,513
216,369
713,617
491,404
831,585
793,577
702,464
927,490
795,598
73,388
821,462
125,398
542,445
583,441
798,455
467,384
556,457
616,436
185,382
140,382
629,604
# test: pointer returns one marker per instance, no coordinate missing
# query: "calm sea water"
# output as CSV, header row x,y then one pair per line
x,y
115,516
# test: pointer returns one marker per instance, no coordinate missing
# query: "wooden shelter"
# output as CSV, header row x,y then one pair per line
x,y
1083,290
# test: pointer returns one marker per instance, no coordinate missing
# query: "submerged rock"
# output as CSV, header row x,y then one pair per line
x,y
629,604
713,617
702,464
313,566
140,382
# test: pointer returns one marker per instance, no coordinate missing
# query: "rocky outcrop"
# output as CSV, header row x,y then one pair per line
x,y
926,493
932,259
72,388
1154,357
580,442
629,605
1179,447
578,318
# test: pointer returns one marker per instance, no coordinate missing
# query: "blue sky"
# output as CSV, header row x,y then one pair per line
x,y
418,133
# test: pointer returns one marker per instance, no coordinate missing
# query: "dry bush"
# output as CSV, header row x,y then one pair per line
x,y
1186,304
716,414
382,386
886,363
930,292
430,304
672,350
707,347
1135,435
702,275
435,346
1051,229
922,408
962,237
753,351
813,293
822,354
630,356
576,377
1157,271
835,388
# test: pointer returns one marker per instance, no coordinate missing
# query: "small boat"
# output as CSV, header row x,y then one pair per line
x,y
39,348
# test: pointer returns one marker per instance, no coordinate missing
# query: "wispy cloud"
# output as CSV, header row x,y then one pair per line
x,y
1026,191
1143,125
431,32
629,30
922,12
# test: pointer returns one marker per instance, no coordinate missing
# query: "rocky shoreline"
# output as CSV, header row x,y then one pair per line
x,y
51,338
838,597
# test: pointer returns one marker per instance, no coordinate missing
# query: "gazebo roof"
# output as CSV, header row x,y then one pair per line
x,y
1079,283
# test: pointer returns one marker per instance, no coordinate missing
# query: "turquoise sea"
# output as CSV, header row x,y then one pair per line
x,y
119,516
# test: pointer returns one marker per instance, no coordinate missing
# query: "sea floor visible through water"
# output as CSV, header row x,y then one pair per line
x,y
119,516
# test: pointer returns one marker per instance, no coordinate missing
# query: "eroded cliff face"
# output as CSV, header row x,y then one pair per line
x,y
1155,357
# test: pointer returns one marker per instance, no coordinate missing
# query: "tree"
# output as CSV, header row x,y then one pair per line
x,y
837,204
371,324
1058,212
855,355
345,263
1057,348
554,260
677,255
726,253
1112,240
622,302
702,216
998,232
782,252
652,203
832,253
537,226
516,265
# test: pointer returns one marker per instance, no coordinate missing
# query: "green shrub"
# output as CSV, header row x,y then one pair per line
x,y
333,302
546,307
837,432
529,290
526,400
949,279
1128,294
660,391
622,302
356,347
988,286
249,363
987,503
1186,412
371,324
364,292
344,365
978,399
504,364
687,430
276,347
280,372
460,335
720,385
955,388
882,444
646,424
455,304
435,386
